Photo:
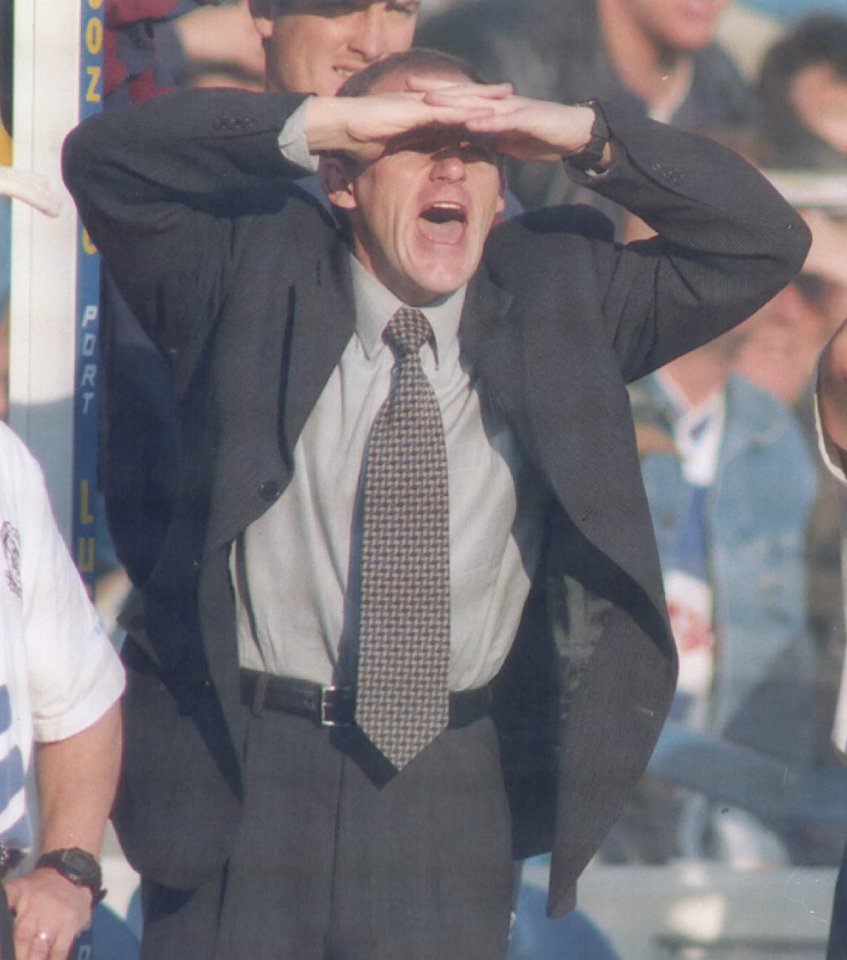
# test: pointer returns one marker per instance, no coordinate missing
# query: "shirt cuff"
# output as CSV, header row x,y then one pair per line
x,y
292,140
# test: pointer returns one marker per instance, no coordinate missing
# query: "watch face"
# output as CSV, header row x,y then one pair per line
x,y
80,864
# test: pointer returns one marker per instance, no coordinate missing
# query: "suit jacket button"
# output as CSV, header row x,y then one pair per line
x,y
269,490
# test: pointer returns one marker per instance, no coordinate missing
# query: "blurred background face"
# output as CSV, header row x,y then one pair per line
x,y
677,25
313,46
819,95
779,344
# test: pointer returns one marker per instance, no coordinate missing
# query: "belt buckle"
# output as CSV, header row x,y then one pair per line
x,y
337,706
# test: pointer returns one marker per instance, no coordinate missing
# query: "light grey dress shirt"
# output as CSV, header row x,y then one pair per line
x,y
295,569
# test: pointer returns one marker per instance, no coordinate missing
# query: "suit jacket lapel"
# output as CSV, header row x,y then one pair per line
x,y
272,393
493,348
322,322
553,392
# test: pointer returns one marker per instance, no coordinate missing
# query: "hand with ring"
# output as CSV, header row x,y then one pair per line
x,y
50,913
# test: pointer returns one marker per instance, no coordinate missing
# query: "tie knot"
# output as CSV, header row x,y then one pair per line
x,y
407,331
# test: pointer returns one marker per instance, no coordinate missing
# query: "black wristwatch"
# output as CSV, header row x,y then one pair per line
x,y
78,866
591,155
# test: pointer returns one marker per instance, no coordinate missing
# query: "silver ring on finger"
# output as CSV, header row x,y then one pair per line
x,y
45,937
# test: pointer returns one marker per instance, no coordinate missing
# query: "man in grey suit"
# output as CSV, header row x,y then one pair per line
x,y
264,820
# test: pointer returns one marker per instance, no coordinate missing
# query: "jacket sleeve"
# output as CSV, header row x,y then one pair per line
x,y
727,241
159,186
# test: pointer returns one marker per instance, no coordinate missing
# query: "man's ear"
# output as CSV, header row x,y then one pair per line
x,y
263,13
337,183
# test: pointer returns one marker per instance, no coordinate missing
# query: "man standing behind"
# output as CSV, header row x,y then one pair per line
x,y
312,46
402,467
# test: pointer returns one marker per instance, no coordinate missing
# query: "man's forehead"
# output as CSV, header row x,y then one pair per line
x,y
435,138
397,81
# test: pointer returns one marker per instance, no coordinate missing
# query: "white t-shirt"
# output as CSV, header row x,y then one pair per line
x,y
58,670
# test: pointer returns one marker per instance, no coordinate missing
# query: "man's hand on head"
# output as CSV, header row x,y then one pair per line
x,y
528,129
50,913
363,126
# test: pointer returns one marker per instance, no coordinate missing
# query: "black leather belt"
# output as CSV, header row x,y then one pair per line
x,y
336,706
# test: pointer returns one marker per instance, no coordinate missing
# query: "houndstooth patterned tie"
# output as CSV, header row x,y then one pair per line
x,y
402,696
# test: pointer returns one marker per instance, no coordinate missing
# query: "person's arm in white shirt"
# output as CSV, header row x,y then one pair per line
x,y
77,778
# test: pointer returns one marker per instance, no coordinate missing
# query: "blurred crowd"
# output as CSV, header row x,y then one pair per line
x,y
746,519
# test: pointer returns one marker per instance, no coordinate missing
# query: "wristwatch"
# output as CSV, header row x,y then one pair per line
x,y
78,866
591,155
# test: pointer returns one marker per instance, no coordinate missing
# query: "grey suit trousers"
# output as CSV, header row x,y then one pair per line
x,y
329,865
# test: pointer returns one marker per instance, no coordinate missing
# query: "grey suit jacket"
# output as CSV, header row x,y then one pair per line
x,y
243,281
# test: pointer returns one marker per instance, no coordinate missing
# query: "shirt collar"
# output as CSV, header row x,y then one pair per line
x,y
376,304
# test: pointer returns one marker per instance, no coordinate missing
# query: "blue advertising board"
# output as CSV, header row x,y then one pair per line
x,y
87,320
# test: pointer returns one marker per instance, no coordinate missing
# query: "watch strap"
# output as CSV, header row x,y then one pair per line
x,y
79,867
